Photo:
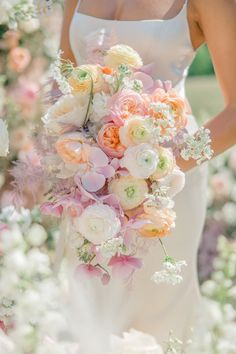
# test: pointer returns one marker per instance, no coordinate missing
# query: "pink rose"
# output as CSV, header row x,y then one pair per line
x,y
109,140
124,104
18,59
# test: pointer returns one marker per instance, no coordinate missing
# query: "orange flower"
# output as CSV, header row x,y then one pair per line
x,y
107,71
109,140
18,59
161,221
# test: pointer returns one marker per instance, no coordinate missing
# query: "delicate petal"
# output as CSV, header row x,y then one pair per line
x,y
93,181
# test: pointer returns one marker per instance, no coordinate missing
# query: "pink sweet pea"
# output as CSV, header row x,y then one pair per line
x,y
124,266
52,209
92,175
91,271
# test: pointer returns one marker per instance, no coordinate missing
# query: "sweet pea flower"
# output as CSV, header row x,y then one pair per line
x,y
124,104
141,161
98,223
124,266
109,140
52,209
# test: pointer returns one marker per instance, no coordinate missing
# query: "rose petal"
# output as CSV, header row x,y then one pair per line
x,y
93,181
146,80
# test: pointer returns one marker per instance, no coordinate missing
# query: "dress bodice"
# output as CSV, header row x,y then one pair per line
x,y
164,43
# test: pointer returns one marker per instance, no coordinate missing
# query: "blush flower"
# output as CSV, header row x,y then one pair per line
x,y
175,182
135,131
141,161
165,165
130,191
160,222
109,140
71,148
18,59
126,103
122,54
68,111
124,266
98,223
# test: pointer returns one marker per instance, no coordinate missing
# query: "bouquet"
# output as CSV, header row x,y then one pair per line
x,y
108,160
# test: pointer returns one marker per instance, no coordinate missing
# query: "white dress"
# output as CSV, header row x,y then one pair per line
x,y
151,308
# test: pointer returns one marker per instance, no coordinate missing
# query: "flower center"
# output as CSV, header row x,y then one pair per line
x,y
130,191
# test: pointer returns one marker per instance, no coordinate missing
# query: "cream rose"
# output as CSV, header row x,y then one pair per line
x,y
68,111
130,191
122,54
98,223
135,131
141,161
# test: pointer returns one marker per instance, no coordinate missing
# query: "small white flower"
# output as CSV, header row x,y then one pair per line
x,y
4,139
98,223
111,247
36,235
171,273
141,160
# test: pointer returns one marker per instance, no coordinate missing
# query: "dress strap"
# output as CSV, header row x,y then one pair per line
x,y
78,6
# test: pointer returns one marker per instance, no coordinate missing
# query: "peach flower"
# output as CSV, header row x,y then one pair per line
x,y
109,140
82,77
126,103
160,222
71,148
18,59
11,39
176,103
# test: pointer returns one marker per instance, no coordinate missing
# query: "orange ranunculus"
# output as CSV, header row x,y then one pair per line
x,y
71,148
161,221
109,140
18,59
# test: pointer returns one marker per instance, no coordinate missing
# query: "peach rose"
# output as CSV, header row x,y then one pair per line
x,y
71,148
176,103
109,140
18,59
82,77
126,103
161,221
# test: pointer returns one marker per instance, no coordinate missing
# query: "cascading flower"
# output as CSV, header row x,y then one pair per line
x,y
141,161
121,54
98,223
135,130
130,191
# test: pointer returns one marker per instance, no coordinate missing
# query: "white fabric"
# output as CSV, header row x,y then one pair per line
x,y
151,308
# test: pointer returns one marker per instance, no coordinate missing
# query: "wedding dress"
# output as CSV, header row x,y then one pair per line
x,y
148,307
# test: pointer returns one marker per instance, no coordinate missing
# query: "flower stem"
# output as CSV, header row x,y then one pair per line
x,y
163,247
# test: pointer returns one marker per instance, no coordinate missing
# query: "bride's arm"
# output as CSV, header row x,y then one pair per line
x,y
217,22
70,6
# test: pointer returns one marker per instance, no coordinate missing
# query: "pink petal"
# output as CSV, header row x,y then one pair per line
x,y
93,181
107,171
52,209
98,157
148,69
88,270
146,80
167,85
105,279
115,163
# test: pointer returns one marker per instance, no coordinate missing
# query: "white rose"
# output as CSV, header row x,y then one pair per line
x,y
36,235
4,139
141,161
68,111
98,223
175,182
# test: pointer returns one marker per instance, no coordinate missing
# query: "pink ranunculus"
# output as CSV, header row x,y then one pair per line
x,y
18,59
126,103
52,209
124,266
109,140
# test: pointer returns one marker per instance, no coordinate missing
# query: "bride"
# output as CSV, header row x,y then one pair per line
x,y
167,34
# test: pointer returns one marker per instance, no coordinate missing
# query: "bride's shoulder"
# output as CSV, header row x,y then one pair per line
x,y
214,6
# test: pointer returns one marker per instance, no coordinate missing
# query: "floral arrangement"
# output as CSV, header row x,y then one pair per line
x,y
109,161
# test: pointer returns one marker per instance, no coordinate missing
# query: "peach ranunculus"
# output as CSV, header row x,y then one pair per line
x,y
175,102
18,59
160,222
135,131
71,148
126,103
83,77
109,140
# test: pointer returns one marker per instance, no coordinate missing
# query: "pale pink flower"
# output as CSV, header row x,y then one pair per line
x,y
49,208
222,184
124,104
175,182
124,266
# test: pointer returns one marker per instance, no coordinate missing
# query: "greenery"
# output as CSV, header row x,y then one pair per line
x,y
202,64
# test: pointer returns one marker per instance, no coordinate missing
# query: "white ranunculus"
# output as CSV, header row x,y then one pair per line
x,y
175,182
141,161
69,110
4,139
98,223
36,235
134,342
